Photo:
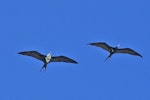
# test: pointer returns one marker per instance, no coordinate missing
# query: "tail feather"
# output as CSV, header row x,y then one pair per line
x,y
44,66
108,57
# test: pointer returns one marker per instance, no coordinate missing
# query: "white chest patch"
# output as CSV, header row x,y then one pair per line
x,y
48,58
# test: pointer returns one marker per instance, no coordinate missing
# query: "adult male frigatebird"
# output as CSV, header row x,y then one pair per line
x,y
113,50
47,58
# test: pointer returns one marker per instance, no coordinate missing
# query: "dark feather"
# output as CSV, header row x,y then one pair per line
x,y
102,45
128,51
62,59
34,54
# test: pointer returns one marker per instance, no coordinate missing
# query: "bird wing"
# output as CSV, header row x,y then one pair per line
x,y
102,45
62,59
128,51
34,54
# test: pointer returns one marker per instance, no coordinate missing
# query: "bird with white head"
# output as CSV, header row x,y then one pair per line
x,y
47,58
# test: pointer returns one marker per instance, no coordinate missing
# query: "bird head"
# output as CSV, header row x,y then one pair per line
x,y
48,58
118,46
49,55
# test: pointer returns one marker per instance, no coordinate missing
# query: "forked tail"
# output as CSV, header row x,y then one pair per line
x,y
108,56
44,66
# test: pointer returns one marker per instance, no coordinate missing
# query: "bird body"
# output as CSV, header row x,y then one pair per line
x,y
47,58
113,50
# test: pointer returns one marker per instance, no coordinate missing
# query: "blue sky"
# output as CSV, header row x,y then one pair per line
x,y
65,27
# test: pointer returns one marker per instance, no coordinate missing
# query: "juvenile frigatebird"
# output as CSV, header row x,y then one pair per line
x,y
47,58
113,50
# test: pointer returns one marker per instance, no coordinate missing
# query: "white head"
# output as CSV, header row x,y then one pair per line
x,y
48,57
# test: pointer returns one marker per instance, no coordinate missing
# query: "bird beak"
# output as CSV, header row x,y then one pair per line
x,y
118,45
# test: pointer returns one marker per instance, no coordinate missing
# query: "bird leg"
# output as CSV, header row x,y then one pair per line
x,y
44,66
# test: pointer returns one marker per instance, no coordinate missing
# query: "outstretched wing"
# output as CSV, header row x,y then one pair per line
x,y
102,45
128,51
62,59
34,54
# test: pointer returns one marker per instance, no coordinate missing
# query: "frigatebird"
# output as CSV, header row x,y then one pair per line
x,y
113,50
47,58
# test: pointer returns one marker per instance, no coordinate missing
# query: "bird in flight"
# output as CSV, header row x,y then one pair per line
x,y
113,50
47,58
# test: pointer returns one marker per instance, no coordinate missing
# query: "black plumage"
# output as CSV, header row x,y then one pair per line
x,y
113,50
47,59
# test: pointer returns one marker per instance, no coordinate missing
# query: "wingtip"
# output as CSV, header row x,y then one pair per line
x,y
75,62
141,56
19,53
88,44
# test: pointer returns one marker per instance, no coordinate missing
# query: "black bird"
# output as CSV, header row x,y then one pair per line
x,y
47,58
113,50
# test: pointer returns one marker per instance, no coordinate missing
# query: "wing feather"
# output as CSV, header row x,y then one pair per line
x,y
62,59
128,51
34,54
102,45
